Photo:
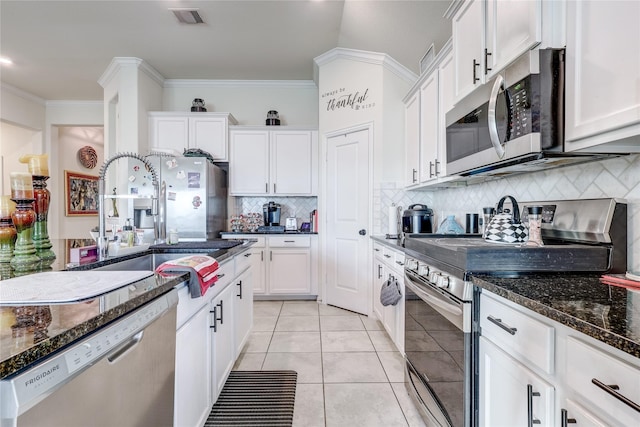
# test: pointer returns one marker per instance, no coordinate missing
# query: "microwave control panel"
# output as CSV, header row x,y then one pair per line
x,y
521,114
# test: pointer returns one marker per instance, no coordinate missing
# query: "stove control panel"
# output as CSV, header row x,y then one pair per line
x,y
429,275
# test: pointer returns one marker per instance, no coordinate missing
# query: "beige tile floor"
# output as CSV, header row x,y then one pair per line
x,y
349,371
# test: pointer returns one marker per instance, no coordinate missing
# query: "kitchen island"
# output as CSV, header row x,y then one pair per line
x,y
68,323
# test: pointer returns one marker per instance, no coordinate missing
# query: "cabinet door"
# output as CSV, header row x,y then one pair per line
x,y
243,309
291,163
468,47
169,132
510,394
429,118
602,69
412,139
446,99
379,276
223,337
192,397
259,269
209,134
570,410
249,163
289,271
512,28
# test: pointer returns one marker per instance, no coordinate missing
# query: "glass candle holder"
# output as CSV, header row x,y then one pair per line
x,y
21,186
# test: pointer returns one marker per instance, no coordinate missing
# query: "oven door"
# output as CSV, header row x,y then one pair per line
x,y
438,354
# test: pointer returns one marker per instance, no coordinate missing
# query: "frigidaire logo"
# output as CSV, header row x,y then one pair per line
x,y
41,375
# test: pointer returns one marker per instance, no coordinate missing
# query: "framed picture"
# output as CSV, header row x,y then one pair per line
x,y
81,194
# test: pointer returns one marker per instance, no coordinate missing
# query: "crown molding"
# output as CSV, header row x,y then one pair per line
x,y
280,84
374,58
22,94
118,63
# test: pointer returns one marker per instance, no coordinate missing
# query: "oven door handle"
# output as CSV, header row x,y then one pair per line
x,y
433,297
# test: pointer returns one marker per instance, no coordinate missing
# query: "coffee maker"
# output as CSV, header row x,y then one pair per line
x,y
271,213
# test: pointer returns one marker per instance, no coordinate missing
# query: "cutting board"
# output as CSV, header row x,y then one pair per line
x,y
63,287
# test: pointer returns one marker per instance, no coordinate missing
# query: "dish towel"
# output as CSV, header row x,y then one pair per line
x,y
203,269
390,292
625,281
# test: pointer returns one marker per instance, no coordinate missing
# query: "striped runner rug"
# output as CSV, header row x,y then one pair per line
x,y
255,398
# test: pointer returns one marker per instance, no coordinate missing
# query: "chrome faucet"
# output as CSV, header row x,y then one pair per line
x,y
159,224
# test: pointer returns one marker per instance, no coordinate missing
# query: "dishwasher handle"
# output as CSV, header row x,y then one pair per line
x,y
119,352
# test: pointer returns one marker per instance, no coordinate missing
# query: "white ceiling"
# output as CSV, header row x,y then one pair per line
x,y
61,48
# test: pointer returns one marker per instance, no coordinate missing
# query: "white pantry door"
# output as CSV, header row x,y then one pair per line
x,y
347,225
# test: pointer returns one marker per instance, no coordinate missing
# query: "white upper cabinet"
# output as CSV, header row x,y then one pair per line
x,y
603,76
488,35
425,132
412,139
468,47
249,165
280,162
180,131
429,114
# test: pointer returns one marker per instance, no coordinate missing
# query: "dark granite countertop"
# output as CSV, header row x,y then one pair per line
x,y
392,243
45,329
21,347
579,301
228,233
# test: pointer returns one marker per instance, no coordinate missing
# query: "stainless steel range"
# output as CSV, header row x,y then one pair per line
x,y
587,236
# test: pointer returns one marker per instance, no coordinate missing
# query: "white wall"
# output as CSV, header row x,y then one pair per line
x,y
248,101
62,116
15,141
70,140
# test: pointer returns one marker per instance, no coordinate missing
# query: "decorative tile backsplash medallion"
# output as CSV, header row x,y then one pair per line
x,y
299,207
618,177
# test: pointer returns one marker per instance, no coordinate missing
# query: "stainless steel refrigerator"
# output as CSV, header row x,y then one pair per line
x,y
194,196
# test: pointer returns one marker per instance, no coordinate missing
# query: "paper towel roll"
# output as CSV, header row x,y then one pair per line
x,y
393,220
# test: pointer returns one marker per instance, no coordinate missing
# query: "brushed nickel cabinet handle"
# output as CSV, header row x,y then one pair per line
x,y
613,391
564,418
502,325
530,395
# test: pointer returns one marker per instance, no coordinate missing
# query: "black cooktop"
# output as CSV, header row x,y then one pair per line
x,y
471,253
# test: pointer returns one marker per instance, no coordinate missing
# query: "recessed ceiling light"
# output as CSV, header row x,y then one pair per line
x,y
5,61
187,16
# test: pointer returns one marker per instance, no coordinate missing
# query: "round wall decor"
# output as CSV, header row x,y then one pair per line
x,y
88,157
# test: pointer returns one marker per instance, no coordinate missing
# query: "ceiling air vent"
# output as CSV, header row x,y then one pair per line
x,y
187,16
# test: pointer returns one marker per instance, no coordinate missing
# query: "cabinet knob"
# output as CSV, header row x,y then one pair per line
x,y
362,232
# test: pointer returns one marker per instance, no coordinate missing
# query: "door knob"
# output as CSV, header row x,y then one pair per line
x,y
362,232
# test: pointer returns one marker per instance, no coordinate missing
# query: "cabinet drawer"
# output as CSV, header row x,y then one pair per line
x,y
243,261
260,240
187,306
528,339
586,365
377,249
290,241
226,273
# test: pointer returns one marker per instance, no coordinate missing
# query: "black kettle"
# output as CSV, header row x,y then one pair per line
x,y
417,218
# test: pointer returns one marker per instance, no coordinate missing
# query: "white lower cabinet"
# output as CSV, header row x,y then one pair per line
x,y
389,264
243,309
210,333
222,343
193,371
510,394
578,380
283,265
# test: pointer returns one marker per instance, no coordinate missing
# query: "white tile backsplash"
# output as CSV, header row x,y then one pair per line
x,y
299,207
618,177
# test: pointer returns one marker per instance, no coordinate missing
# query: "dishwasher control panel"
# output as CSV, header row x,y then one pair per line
x,y
29,387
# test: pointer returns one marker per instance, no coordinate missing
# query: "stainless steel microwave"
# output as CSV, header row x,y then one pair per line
x,y
514,123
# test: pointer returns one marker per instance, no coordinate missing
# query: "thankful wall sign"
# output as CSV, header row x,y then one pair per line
x,y
342,99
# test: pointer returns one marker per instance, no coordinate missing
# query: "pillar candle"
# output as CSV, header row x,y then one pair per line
x,y
38,163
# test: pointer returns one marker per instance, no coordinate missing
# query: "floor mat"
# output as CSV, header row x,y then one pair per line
x,y
255,398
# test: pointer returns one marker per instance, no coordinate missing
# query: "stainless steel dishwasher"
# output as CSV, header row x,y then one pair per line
x,y
121,375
